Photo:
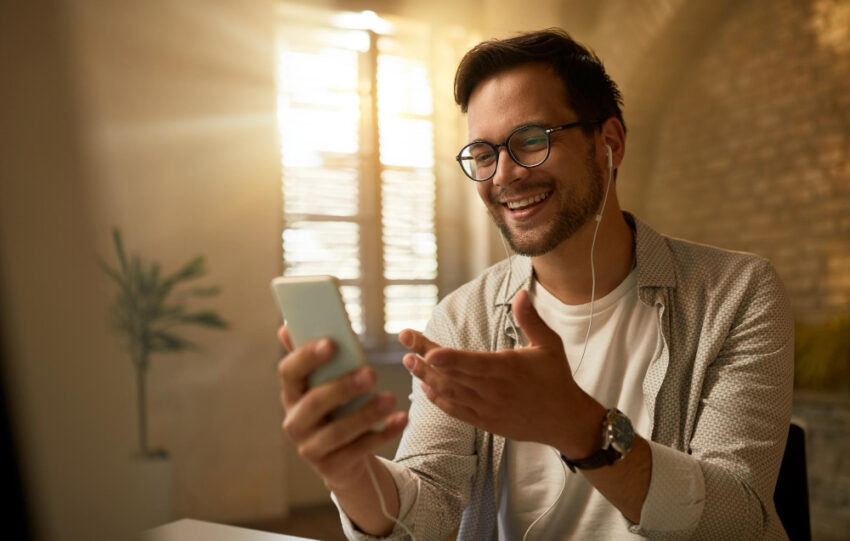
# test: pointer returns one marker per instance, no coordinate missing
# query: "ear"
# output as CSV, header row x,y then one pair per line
x,y
613,135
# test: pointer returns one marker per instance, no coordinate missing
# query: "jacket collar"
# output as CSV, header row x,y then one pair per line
x,y
653,261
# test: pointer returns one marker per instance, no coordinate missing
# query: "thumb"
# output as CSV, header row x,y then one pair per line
x,y
532,324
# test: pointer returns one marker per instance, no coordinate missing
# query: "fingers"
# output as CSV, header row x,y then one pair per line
x,y
447,359
284,338
294,369
538,333
341,459
416,342
456,362
313,407
453,387
332,447
460,362
341,432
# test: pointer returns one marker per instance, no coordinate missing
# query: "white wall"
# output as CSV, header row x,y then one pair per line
x,y
177,100
157,117
67,391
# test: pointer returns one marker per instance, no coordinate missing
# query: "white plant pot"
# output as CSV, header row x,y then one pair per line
x,y
154,481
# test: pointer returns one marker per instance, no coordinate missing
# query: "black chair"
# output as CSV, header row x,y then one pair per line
x,y
792,489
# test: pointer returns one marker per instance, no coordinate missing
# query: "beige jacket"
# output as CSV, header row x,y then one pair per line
x,y
719,396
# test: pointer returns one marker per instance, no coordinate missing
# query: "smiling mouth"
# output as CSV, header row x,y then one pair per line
x,y
527,202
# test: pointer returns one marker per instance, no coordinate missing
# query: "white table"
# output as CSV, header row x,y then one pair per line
x,y
189,529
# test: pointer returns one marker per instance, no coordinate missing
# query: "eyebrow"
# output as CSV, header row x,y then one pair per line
x,y
532,122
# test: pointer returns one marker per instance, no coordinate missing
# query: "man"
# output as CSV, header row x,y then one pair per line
x,y
546,362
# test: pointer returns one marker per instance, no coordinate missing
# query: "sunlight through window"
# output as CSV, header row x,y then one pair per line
x,y
377,237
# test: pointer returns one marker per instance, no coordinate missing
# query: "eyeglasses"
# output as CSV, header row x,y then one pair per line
x,y
527,145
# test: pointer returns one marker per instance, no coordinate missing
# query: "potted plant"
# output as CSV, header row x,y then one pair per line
x,y
146,311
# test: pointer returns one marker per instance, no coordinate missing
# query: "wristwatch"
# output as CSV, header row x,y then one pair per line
x,y
617,438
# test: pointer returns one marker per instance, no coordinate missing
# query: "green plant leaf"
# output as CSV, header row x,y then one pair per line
x,y
152,279
206,318
193,269
162,341
211,291
135,298
173,312
119,247
112,273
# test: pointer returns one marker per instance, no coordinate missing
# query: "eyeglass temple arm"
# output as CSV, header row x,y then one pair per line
x,y
572,125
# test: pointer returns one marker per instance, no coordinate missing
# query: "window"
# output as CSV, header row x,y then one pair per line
x,y
355,113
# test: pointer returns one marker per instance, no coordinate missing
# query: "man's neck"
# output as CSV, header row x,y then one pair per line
x,y
565,271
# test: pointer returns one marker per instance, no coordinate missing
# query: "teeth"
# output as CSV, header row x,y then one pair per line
x,y
513,205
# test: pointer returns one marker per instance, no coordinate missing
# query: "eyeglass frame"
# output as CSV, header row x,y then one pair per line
x,y
506,144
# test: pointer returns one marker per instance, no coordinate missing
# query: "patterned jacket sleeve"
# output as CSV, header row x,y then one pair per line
x,y
435,462
722,486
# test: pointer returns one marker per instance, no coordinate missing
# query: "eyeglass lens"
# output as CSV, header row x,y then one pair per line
x,y
528,146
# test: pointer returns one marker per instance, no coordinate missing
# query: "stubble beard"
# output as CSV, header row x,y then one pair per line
x,y
576,208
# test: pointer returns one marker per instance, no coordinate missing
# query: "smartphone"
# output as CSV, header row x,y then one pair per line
x,y
312,308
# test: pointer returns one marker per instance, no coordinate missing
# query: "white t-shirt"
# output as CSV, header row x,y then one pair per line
x,y
624,339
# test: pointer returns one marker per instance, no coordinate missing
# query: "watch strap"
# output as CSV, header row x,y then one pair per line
x,y
602,457
607,455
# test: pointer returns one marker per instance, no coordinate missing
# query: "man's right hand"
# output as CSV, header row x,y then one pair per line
x,y
337,449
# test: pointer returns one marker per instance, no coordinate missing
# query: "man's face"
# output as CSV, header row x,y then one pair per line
x,y
536,208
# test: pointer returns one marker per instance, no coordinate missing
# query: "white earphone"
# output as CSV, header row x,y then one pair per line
x,y
609,154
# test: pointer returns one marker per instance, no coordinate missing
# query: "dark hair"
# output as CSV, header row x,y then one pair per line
x,y
590,92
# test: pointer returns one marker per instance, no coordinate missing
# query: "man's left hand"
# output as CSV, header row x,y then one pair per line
x,y
525,394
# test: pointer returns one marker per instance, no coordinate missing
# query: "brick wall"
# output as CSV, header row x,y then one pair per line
x,y
749,149
753,147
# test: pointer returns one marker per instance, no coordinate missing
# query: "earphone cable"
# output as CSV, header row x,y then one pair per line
x,y
383,503
587,335
592,265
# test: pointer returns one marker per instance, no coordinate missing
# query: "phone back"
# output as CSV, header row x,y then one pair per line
x,y
312,308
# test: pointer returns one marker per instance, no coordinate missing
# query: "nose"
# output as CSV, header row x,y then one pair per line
x,y
507,170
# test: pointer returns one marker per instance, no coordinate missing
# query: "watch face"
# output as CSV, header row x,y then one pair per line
x,y
621,434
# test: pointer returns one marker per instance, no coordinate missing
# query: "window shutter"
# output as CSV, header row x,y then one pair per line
x,y
321,104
